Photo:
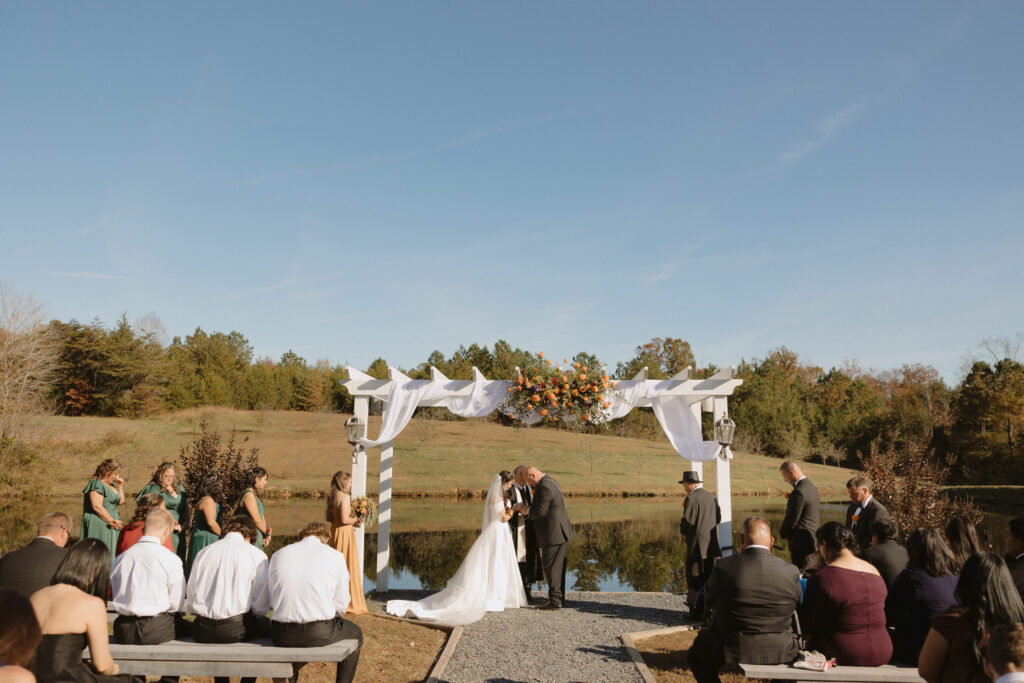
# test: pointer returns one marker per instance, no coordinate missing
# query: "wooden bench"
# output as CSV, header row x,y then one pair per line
x,y
186,657
837,674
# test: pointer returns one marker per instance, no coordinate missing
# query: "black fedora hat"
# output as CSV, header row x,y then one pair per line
x,y
690,477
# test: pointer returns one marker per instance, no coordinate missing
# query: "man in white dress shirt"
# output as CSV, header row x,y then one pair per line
x,y
228,590
1004,654
148,586
309,593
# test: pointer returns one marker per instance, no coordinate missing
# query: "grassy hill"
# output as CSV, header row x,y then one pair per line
x,y
432,458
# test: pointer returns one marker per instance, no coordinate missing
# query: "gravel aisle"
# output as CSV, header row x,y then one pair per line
x,y
579,642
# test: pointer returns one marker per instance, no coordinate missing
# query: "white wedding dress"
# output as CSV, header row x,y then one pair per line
x,y
487,581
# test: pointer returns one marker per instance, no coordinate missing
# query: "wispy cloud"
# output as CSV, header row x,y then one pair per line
x,y
665,273
824,131
235,296
84,276
102,222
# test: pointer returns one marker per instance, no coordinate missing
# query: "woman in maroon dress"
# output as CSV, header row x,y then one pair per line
x,y
843,614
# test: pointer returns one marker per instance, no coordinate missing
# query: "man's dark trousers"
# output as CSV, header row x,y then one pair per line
x,y
317,634
554,558
155,630
236,629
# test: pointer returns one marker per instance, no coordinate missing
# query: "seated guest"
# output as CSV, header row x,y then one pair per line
x,y
132,531
753,596
888,556
72,614
309,593
963,541
843,614
1014,548
30,568
988,598
149,587
1004,654
921,591
19,636
227,589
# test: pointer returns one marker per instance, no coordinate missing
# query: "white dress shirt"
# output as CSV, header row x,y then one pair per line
x,y
1013,677
229,577
308,582
147,579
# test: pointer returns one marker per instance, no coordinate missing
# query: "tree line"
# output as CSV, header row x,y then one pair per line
x,y
785,406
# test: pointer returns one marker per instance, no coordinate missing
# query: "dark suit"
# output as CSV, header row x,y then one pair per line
x,y
889,558
1016,566
529,569
701,516
753,597
30,568
801,522
874,512
554,531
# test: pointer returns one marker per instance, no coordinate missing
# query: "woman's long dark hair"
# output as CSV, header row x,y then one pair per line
x,y
212,486
987,592
927,550
963,540
86,567
835,537
250,482
19,629
506,477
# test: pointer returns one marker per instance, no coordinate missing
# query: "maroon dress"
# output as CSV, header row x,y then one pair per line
x,y
843,616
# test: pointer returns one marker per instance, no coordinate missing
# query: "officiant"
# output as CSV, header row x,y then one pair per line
x,y
523,536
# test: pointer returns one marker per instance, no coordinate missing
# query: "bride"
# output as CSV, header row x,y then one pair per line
x,y
487,581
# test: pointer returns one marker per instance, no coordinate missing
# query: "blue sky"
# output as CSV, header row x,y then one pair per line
x,y
388,178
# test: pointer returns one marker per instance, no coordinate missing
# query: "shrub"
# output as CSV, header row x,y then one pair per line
x,y
205,454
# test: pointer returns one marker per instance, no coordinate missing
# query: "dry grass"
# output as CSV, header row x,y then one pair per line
x,y
393,652
302,450
665,656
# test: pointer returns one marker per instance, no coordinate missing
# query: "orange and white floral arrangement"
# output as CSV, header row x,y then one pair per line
x,y
570,392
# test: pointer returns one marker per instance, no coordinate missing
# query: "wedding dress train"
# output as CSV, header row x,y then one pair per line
x,y
487,581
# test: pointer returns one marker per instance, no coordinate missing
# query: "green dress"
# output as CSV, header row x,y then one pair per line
x,y
174,505
202,536
259,506
93,525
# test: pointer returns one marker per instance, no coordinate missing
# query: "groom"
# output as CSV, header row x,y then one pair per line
x,y
553,529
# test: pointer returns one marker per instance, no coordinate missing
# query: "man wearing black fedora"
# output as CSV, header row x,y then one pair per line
x,y
699,525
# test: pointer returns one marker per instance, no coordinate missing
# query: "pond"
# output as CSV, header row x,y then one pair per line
x,y
621,544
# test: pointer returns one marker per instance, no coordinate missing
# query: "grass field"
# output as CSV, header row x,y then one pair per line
x,y
432,458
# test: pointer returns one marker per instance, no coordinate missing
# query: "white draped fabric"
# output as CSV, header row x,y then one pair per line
x,y
673,412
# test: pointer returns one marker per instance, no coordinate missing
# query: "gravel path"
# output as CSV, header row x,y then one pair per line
x,y
579,642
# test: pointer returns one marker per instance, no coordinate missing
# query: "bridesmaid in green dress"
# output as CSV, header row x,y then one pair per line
x,y
164,483
104,492
251,505
206,519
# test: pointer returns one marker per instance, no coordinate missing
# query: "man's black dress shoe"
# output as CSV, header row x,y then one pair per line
x,y
550,604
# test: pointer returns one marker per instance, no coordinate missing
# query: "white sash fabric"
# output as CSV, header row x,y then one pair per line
x,y
673,412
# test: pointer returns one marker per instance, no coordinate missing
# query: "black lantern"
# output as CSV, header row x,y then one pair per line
x,y
355,429
724,430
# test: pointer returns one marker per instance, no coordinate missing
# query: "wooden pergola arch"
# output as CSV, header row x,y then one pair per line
x,y
702,395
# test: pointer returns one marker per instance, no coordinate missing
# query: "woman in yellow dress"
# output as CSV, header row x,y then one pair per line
x,y
343,537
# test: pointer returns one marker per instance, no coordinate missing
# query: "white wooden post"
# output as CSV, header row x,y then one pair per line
x,y
362,411
387,452
697,467
722,471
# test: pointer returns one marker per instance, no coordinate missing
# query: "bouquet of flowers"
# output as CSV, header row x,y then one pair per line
x,y
365,511
570,392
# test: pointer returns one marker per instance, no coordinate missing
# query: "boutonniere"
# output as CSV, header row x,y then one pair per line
x,y
786,494
856,518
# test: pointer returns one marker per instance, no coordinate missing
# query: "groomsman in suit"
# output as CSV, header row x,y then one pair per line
x,y
554,531
802,515
863,511
524,536
699,524
753,597
30,568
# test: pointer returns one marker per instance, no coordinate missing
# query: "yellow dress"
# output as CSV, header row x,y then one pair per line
x,y
343,539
